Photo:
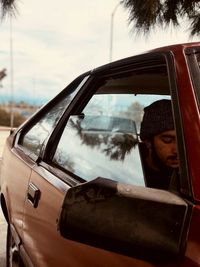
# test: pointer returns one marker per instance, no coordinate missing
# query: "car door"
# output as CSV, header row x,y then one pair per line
x,y
189,104
92,139
15,186
48,184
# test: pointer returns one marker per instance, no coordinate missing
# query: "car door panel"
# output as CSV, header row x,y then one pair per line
x,y
18,175
193,246
41,232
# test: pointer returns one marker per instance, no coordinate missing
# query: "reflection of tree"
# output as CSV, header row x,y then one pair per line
x,y
34,139
55,113
92,140
119,146
61,160
115,145
135,112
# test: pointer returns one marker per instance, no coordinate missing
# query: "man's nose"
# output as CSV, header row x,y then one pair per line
x,y
174,147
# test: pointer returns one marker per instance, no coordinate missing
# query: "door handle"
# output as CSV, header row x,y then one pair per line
x,y
33,195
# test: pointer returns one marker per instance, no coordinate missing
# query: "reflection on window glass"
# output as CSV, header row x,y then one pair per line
x,y
114,110
104,141
108,123
198,59
35,137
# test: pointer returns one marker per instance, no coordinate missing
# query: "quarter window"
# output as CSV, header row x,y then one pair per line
x,y
33,139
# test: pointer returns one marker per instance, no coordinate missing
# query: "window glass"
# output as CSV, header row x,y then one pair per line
x,y
198,59
103,141
100,145
34,138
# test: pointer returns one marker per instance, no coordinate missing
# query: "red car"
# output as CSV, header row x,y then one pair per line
x,y
73,189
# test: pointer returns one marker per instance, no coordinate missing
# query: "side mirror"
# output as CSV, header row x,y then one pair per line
x,y
140,222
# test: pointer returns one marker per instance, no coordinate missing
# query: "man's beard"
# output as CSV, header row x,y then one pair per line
x,y
159,163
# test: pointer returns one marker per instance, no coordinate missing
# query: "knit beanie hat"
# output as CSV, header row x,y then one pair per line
x,y
157,118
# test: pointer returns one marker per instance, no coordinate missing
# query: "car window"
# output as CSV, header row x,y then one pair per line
x,y
100,145
103,141
33,139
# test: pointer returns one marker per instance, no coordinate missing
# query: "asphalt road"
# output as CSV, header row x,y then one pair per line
x,y
3,226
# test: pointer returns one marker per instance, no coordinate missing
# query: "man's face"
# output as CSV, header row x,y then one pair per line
x,y
166,149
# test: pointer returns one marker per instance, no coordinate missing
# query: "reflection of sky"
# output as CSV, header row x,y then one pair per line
x,y
89,162
146,100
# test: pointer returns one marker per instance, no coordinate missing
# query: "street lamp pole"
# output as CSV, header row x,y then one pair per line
x,y
111,30
11,75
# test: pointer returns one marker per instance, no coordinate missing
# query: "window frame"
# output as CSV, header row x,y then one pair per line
x,y
185,181
72,89
118,68
194,69
84,93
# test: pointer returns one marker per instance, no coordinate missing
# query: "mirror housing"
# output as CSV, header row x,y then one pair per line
x,y
140,222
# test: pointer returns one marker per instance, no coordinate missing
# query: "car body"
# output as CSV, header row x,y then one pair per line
x,y
73,191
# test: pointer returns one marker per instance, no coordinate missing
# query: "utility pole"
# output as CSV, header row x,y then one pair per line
x,y
112,29
11,76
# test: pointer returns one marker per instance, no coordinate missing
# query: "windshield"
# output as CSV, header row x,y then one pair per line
x,y
108,123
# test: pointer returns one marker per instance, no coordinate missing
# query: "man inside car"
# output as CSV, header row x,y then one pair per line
x,y
159,138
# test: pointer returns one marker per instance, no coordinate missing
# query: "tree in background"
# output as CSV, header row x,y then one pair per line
x,y
2,75
145,15
5,118
7,6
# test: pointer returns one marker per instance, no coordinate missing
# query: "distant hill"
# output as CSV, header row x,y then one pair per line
x,y
6,98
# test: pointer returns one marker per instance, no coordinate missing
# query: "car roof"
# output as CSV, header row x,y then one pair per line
x,y
169,48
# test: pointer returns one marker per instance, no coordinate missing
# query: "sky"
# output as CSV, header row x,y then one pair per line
x,y
55,41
